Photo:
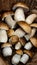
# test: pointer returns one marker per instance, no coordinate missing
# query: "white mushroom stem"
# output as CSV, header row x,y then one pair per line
x,y
16,59
3,36
18,46
28,36
7,51
28,46
31,18
19,15
24,58
10,21
19,32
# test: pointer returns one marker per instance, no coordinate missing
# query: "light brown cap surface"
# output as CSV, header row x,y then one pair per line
x,y
4,26
20,52
29,53
5,14
10,32
34,41
34,25
6,45
26,27
14,39
21,5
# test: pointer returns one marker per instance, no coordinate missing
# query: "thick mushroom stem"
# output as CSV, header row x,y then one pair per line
x,y
10,21
28,46
16,59
3,36
24,58
31,18
19,15
7,51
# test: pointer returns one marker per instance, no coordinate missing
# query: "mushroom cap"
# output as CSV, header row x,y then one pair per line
x,y
34,41
28,53
34,25
34,11
10,32
6,45
5,14
20,52
13,39
4,26
26,27
22,41
21,5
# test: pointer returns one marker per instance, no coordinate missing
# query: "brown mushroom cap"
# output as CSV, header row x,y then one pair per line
x,y
34,25
26,27
34,41
22,41
29,53
10,32
4,26
6,45
14,39
21,5
20,52
5,14
34,11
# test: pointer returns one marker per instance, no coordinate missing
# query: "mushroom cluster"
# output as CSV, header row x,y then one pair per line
x,y
17,33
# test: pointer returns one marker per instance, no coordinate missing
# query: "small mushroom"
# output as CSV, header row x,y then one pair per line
x,y
30,19
15,59
8,19
19,32
25,57
19,15
4,26
22,41
26,27
20,52
3,36
13,39
7,51
28,36
28,46
10,32
18,46
34,25
34,41
21,5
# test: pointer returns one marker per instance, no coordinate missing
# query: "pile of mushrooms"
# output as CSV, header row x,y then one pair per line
x,y
17,33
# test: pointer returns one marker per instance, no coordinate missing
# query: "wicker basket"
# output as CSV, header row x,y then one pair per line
x,y
6,5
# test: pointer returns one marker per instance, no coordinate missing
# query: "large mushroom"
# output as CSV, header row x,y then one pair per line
x,y
8,19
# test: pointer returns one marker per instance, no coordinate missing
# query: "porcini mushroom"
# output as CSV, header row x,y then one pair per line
x,y
34,11
26,27
19,32
25,57
13,39
16,59
28,36
19,15
7,51
21,5
30,18
34,41
8,19
29,45
10,32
